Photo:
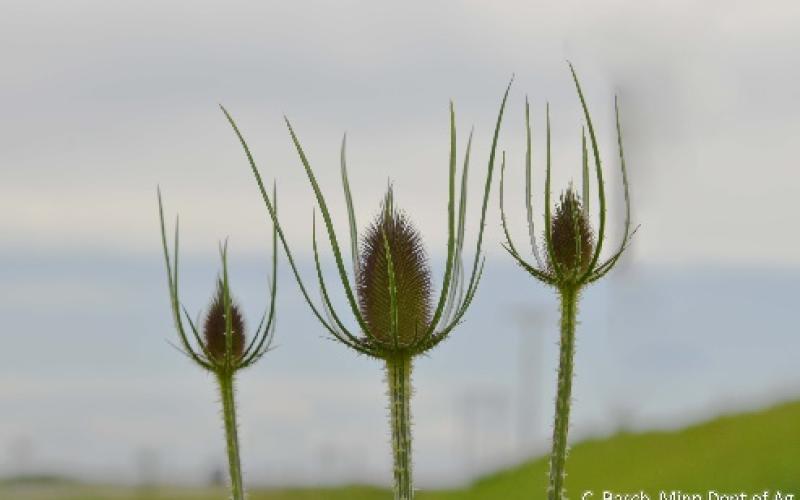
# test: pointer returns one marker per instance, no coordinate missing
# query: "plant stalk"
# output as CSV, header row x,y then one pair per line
x,y
398,374
231,435
558,457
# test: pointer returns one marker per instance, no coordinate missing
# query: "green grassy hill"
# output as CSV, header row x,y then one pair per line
x,y
750,452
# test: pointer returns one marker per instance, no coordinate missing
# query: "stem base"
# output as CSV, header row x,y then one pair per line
x,y
226,390
558,457
398,375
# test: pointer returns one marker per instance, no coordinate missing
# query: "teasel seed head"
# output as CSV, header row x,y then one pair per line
x,y
215,327
572,236
392,230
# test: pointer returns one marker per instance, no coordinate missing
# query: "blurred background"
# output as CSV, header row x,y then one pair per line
x,y
103,101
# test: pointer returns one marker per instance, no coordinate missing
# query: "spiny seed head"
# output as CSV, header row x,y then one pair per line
x,y
214,327
569,224
412,277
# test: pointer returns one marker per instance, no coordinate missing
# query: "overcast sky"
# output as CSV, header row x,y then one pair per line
x,y
102,101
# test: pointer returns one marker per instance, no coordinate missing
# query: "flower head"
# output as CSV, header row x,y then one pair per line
x,y
392,254
571,232
215,327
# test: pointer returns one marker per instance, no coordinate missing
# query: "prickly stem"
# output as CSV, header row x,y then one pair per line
x,y
569,309
398,375
231,435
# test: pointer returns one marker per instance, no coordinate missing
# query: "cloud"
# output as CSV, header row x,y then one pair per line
x,y
104,102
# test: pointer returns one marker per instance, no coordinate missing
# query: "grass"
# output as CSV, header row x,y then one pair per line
x,y
749,452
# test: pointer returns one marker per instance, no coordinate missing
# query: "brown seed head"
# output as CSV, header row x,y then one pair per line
x,y
568,224
411,274
214,327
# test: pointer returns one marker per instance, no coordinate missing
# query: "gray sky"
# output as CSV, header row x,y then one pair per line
x,y
102,101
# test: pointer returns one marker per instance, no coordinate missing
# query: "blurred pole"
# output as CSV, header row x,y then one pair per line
x,y
147,471
21,454
484,418
216,477
533,322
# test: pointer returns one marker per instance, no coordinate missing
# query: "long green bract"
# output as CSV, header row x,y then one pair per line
x,y
172,280
351,215
487,188
274,217
457,289
509,246
266,338
584,175
529,185
478,260
603,268
548,230
343,334
624,175
442,334
327,306
196,334
448,269
501,196
601,194
326,216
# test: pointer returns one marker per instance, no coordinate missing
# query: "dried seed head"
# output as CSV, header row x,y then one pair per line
x,y
573,240
412,277
214,328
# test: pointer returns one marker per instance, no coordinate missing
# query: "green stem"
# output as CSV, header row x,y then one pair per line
x,y
231,436
569,309
398,374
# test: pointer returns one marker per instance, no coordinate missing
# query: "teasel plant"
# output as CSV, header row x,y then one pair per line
x,y
219,345
390,292
569,259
